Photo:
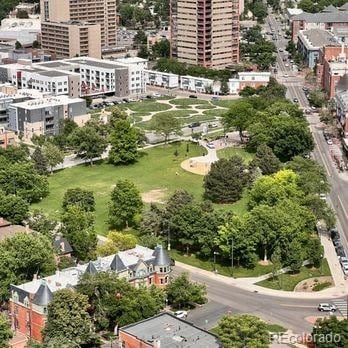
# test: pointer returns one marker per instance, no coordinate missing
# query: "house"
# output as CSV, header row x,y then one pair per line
x,y
8,230
140,266
7,137
62,247
166,330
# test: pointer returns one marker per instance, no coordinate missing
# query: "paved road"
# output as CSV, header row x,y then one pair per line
x,y
223,298
321,153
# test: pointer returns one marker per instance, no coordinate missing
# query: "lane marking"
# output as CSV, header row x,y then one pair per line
x,y
343,208
299,306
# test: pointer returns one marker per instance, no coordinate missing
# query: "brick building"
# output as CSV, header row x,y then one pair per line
x,y
330,18
166,330
140,266
332,65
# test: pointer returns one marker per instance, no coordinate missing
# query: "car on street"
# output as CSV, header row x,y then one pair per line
x,y
340,251
313,108
180,314
295,100
305,89
280,50
287,65
211,145
329,142
286,75
193,96
335,234
326,307
156,95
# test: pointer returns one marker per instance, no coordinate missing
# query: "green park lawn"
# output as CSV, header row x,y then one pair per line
x,y
155,169
208,265
240,151
226,103
215,112
147,106
188,102
289,281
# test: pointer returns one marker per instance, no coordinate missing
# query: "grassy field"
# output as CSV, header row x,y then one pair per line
x,y
238,272
231,151
188,101
147,106
226,103
156,169
215,112
288,281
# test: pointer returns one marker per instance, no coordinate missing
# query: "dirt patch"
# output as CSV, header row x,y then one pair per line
x,y
195,167
154,196
308,284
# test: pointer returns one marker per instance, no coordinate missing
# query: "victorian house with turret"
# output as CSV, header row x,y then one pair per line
x,y
140,266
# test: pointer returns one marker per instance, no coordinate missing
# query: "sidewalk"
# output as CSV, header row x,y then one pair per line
x,y
247,285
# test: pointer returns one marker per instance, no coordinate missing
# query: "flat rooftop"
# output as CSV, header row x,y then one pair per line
x,y
96,63
171,332
54,64
47,102
317,38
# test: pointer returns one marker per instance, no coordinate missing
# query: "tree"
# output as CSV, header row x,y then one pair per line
x,y
22,256
13,208
165,124
18,45
152,221
244,243
23,180
239,116
273,90
315,251
77,196
277,264
89,100
248,91
88,143
40,222
243,330
53,155
78,229
124,143
181,292
125,204
331,327
224,89
68,317
117,241
113,301
317,98
36,44
226,180
5,331
143,52
266,160
140,38
311,177
40,161
294,258
116,115
161,49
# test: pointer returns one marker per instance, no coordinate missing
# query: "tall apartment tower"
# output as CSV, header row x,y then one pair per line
x,y
205,32
91,15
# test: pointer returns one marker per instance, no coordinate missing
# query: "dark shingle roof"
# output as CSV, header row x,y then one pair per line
x,y
43,295
161,256
91,269
117,264
62,245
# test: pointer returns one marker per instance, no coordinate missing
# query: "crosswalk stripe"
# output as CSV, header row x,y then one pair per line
x,y
342,306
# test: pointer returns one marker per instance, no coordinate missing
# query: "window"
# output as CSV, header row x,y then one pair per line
x,y
161,270
162,281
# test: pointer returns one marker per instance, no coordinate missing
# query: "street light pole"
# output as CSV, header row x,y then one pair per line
x,y
215,253
232,245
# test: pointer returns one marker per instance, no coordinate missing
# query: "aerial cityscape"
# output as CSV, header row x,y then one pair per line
x,y
173,173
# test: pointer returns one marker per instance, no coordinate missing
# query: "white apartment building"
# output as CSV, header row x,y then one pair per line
x,y
136,67
161,79
195,84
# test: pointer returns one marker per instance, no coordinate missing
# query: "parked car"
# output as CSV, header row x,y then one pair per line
x,y
305,89
340,251
211,145
326,307
329,142
149,96
194,124
156,95
193,96
295,100
286,75
344,260
335,234
215,98
125,100
180,314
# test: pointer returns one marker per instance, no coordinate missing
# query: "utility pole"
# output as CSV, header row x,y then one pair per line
x,y
232,245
